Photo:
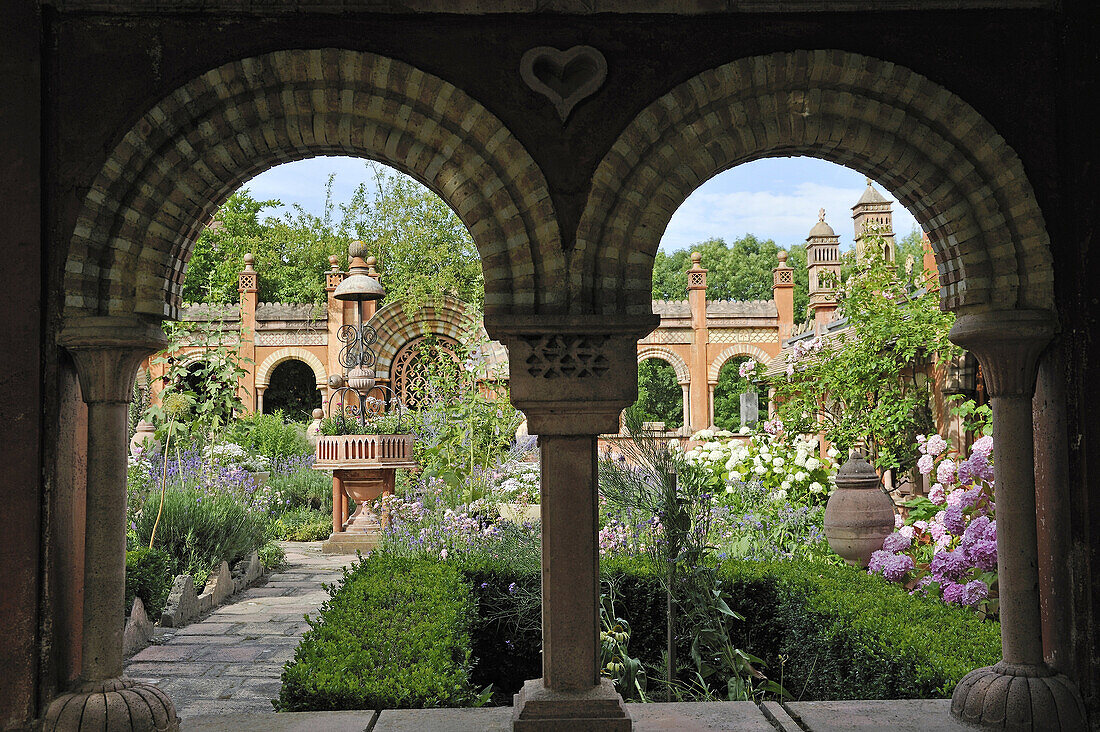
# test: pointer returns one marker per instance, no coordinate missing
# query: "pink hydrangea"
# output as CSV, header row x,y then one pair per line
x,y
936,445
982,446
898,521
952,593
937,494
896,542
924,464
973,592
893,567
946,471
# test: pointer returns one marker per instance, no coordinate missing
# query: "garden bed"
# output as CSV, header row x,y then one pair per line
x,y
825,632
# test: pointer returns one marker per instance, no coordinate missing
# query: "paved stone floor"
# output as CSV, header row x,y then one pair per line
x,y
919,715
230,661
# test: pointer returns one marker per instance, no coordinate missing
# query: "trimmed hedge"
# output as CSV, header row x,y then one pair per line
x,y
826,632
395,634
148,576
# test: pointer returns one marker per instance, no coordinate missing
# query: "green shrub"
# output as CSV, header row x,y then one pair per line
x,y
271,556
198,530
270,435
303,486
148,576
301,524
395,634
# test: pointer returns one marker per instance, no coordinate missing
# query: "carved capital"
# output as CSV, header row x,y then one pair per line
x,y
1011,696
1007,344
107,352
573,375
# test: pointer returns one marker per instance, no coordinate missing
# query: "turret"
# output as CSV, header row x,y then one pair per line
x,y
872,212
823,263
783,294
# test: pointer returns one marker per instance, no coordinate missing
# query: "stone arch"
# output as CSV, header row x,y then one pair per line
x,y
738,349
396,327
683,376
939,157
263,373
170,172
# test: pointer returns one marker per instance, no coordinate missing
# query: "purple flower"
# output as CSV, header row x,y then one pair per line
x,y
975,531
965,474
896,542
983,555
952,593
949,565
512,588
937,494
979,466
891,566
974,592
946,471
953,520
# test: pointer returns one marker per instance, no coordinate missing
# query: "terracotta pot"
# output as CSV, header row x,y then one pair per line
x,y
858,515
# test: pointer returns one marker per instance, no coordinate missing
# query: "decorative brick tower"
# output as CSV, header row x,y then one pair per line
x,y
872,210
823,263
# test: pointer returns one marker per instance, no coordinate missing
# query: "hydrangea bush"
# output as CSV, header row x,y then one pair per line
x,y
947,546
788,467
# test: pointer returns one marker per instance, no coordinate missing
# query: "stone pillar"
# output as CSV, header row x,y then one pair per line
x,y
571,376
710,403
783,294
700,337
1020,692
107,353
248,285
260,398
339,513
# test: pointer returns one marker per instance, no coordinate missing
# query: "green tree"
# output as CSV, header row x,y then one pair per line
x,y
727,395
864,383
660,398
738,271
424,251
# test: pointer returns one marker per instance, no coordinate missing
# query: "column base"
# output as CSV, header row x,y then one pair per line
x,y
597,709
112,705
1018,697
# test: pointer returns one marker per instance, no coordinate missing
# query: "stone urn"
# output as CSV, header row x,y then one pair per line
x,y
144,439
859,515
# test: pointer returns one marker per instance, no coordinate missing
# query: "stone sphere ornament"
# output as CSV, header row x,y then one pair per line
x,y
112,705
858,515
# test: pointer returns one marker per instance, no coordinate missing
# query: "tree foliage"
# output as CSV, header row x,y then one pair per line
x,y
867,382
424,251
660,398
738,271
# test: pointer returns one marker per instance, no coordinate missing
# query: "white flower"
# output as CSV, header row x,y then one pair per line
x,y
812,463
759,469
778,462
801,475
832,452
780,495
816,487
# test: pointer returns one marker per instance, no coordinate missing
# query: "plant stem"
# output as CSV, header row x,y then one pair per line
x,y
163,481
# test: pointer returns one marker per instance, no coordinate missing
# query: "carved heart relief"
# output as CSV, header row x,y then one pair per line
x,y
564,77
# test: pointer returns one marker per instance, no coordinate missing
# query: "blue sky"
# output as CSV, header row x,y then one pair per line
x,y
773,198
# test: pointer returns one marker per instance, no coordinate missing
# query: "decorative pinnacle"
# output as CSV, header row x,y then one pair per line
x,y
696,257
334,262
248,261
821,214
782,255
357,249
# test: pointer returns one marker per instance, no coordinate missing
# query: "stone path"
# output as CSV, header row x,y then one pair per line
x,y
230,662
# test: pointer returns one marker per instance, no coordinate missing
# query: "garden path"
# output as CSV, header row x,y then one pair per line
x,y
231,661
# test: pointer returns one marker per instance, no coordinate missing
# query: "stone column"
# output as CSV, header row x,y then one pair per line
x,y
571,376
687,408
1020,692
260,398
107,353
710,404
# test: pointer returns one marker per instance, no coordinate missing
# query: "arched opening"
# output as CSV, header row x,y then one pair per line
x,y
409,372
660,396
727,396
292,391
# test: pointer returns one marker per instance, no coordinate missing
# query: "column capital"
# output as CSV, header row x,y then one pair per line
x,y
573,374
107,352
1007,344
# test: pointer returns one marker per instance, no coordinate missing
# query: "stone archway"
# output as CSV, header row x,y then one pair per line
x,y
264,370
396,327
683,376
171,171
740,349
944,162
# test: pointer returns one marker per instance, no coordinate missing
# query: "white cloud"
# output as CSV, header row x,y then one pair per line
x,y
784,215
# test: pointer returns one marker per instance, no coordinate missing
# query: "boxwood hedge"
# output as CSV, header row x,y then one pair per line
x,y
403,633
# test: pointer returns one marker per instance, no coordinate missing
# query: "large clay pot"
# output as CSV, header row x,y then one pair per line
x,y
859,515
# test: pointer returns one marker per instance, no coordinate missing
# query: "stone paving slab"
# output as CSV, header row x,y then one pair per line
x,y
287,722
231,660
898,715
699,717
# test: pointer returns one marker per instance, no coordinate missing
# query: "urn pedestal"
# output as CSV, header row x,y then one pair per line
x,y
363,469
